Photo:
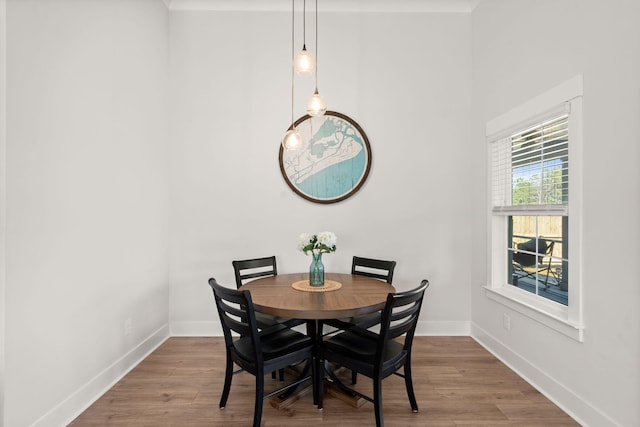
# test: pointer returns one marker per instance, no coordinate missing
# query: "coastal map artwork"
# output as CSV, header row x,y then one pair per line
x,y
333,162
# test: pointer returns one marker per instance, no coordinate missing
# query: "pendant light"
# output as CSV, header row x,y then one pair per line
x,y
303,62
316,106
292,139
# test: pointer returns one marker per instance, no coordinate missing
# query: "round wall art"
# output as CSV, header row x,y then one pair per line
x,y
333,162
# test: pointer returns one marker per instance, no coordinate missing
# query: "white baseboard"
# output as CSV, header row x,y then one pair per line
x,y
571,403
67,410
196,329
443,328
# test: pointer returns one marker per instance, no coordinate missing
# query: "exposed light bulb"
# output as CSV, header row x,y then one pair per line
x,y
292,140
316,105
304,63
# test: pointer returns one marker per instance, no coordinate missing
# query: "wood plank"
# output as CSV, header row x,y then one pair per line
x,y
457,383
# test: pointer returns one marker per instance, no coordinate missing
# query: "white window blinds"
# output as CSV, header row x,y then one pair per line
x,y
530,170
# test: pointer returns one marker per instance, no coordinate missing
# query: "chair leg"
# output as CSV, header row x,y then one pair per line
x,y
320,381
377,401
228,375
257,411
354,377
315,378
408,381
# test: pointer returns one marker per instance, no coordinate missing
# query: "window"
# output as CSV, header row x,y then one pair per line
x,y
535,155
530,177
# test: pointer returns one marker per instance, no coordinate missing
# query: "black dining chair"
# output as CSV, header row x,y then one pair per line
x,y
378,269
257,351
254,268
378,355
249,269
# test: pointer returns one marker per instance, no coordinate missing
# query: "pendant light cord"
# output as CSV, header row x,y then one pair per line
x,y
316,46
304,24
293,54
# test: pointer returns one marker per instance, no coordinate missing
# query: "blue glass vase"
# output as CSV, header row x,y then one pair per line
x,y
316,271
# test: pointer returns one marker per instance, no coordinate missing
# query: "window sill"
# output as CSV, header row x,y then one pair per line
x,y
550,314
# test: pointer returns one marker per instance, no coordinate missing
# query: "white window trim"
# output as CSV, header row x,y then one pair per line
x,y
567,320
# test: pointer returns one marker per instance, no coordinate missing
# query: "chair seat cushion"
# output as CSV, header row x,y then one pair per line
x,y
360,344
264,320
277,341
367,320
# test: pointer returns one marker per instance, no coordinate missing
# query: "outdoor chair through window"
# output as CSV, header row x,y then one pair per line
x,y
532,258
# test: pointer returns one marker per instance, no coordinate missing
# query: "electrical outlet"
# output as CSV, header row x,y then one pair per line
x,y
506,321
127,327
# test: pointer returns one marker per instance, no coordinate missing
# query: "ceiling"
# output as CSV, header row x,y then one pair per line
x,y
406,6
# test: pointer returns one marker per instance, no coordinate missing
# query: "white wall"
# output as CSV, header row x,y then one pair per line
x,y
86,199
404,77
3,192
522,49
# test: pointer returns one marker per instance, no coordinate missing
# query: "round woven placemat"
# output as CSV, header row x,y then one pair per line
x,y
329,285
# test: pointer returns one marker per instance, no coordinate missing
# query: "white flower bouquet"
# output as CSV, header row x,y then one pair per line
x,y
323,242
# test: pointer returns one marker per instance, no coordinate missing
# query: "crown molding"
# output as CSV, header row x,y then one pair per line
x,y
385,6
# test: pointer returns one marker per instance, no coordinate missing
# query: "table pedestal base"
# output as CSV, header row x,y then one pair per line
x,y
285,400
349,398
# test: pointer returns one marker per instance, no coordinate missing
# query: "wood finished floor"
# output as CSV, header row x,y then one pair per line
x,y
457,383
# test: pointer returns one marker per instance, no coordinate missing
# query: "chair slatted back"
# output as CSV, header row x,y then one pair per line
x,y
236,312
400,317
375,268
254,268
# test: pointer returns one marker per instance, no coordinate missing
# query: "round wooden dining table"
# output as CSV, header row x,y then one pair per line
x,y
277,296
357,295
